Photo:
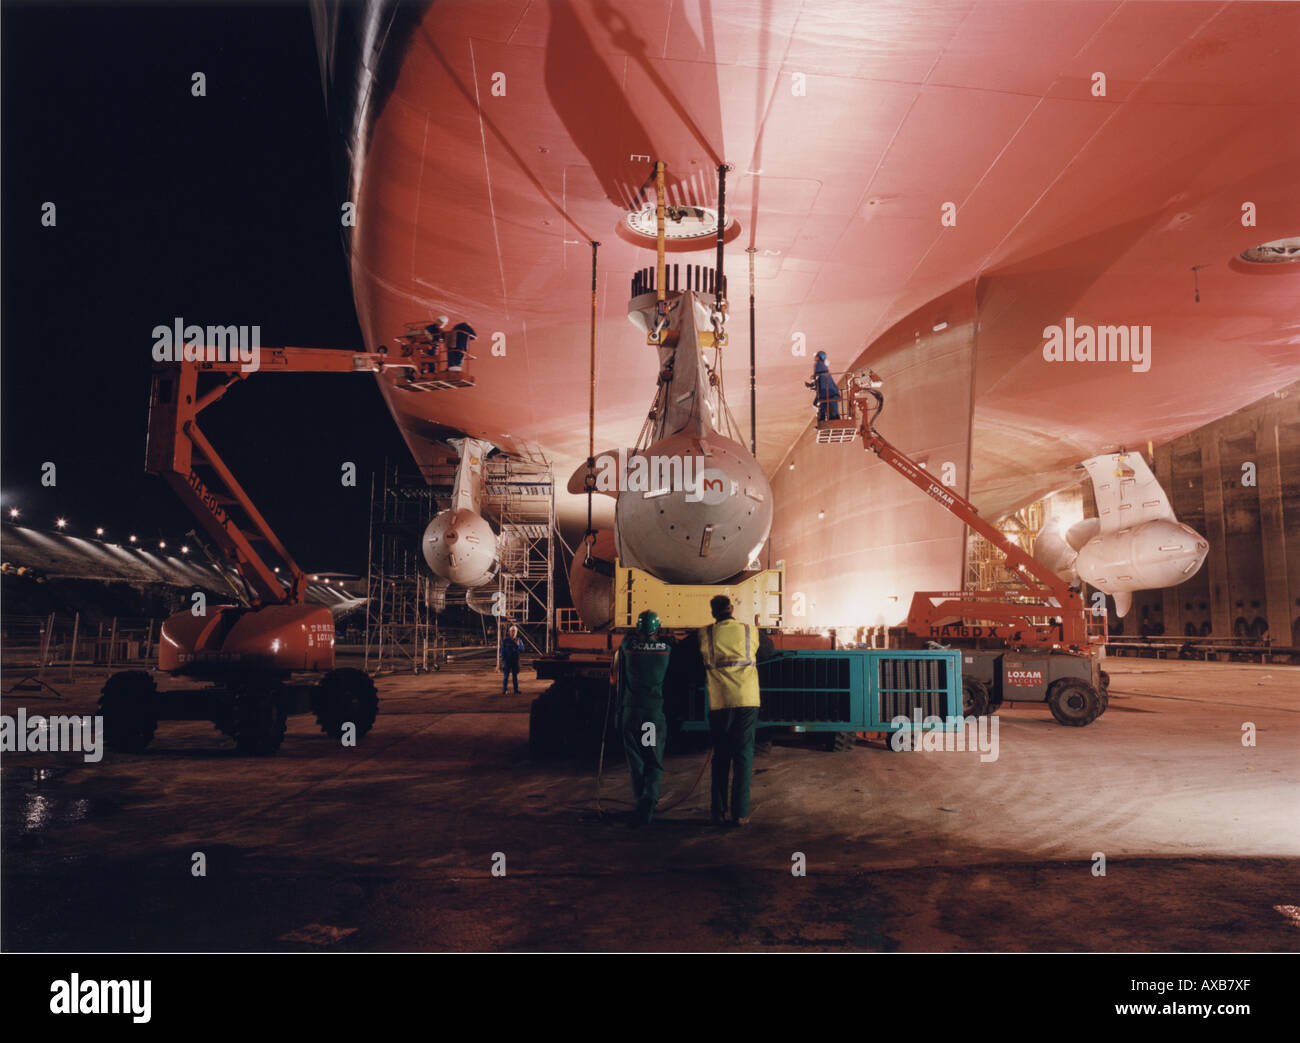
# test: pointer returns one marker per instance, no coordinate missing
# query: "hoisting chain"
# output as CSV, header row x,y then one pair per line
x,y
719,317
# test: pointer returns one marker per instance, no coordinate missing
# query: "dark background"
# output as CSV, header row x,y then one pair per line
x,y
222,209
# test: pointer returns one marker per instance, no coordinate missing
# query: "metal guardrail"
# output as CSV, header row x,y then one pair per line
x,y
38,643
1203,648
567,621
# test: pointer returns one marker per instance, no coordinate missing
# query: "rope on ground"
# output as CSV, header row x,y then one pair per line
x,y
604,733
694,786
600,770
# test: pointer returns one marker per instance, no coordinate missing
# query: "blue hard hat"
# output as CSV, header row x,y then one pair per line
x,y
821,356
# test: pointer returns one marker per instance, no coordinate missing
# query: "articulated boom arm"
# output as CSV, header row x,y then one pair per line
x,y
177,449
1021,563
1012,611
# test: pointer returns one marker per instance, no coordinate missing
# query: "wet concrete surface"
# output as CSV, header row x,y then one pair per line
x,y
390,845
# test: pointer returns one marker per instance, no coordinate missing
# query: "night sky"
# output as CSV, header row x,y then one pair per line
x,y
222,209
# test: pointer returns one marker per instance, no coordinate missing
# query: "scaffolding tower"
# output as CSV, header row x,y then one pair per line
x,y
986,567
401,617
404,598
520,495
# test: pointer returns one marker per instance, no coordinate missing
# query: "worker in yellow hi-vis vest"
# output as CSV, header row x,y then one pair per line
x,y
730,650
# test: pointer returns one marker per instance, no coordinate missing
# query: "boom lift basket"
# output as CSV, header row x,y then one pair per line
x,y
845,429
428,353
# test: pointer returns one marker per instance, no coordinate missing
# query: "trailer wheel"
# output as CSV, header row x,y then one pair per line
x,y
974,698
838,742
763,740
1074,703
127,706
259,722
344,697
541,731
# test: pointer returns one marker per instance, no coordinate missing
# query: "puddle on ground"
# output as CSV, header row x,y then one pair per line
x,y
36,800
38,812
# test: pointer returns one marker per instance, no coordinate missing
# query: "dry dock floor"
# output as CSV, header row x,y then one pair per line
x,y
390,845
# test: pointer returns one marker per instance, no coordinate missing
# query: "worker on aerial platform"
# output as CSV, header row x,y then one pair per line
x,y
437,332
458,345
642,664
730,650
827,397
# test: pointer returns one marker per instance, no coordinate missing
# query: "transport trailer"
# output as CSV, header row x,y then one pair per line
x,y
572,716
577,711
832,694
835,694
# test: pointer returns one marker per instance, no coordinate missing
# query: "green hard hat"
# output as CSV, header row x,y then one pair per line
x,y
648,623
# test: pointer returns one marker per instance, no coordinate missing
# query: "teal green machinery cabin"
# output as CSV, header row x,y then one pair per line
x,y
852,690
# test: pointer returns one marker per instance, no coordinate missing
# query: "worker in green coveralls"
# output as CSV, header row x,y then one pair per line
x,y
642,663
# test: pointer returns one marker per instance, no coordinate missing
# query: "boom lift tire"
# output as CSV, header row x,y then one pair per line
x,y
259,722
1075,703
345,696
127,705
975,701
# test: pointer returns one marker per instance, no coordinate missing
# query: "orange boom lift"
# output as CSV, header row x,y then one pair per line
x,y
1043,649
273,656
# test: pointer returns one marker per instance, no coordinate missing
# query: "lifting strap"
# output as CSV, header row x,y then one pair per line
x,y
590,481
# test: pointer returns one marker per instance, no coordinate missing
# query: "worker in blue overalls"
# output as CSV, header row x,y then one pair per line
x,y
512,646
642,664
458,345
827,397
437,333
